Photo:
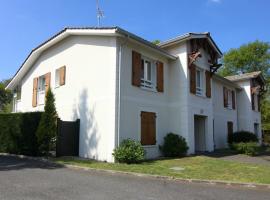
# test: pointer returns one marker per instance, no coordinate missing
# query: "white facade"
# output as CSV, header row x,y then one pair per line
x,y
99,92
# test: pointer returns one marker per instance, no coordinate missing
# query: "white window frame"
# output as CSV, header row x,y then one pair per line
x,y
57,78
147,82
200,88
41,90
229,94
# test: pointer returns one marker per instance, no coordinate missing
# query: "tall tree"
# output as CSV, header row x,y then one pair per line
x,y
5,97
46,133
254,56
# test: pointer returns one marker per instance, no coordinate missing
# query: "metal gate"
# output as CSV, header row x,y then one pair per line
x,y
67,143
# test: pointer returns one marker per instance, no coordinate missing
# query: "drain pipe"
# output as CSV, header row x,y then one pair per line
x,y
119,87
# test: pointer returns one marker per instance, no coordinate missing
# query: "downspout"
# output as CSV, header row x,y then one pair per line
x,y
119,88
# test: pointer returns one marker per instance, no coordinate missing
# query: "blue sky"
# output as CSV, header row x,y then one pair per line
x,y
26,23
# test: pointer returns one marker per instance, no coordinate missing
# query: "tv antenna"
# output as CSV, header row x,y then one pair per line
x,y
100,13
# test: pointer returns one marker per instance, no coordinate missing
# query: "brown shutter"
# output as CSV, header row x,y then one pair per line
x,y
34,96
136,69
62,72
148,128
160,75
233,100
225,97
208,83
47,82
192,77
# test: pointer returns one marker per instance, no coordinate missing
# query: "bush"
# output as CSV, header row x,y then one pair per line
x,y
243,136
18,133
249,148
46,133
174,146
129,151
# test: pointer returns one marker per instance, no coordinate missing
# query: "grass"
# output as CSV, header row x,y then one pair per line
x,y
197,167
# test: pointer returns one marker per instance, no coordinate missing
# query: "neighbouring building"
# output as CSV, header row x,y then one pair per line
x,y
121,86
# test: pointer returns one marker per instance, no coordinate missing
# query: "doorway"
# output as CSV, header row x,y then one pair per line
x,y
199,133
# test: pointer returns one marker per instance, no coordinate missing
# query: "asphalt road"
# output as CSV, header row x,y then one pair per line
x,y
26,179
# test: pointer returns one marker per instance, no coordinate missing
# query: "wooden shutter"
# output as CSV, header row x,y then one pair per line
x,y
62,74
208,83
47,82
160,77
148,128
233,100
34,95
192,78
136,69
259,102
225,97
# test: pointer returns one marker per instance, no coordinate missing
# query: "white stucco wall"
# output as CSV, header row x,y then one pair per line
x,y
222,115
246,116
135,99
89,92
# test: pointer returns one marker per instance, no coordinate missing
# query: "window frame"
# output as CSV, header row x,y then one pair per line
x,y
41,90
57,78
200,90
145,82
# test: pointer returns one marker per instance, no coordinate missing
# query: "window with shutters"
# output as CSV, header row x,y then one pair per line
x,y
229,98
148,73
199,82
57,78
148,128
41,89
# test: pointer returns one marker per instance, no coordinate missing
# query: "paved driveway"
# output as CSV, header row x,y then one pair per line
x,y
26,179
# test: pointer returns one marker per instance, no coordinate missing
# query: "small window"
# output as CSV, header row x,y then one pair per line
x,y
147,73
41,90
18,92
229,99
148,128
57,77
199,82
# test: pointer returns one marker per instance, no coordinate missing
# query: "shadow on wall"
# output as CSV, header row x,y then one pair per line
x,y
88,142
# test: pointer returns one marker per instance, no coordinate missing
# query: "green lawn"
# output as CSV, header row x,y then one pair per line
x,y
198,167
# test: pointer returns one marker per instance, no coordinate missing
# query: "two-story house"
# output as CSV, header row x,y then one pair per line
x,y
121,86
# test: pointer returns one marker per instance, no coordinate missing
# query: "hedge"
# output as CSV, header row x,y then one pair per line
x,y
18,133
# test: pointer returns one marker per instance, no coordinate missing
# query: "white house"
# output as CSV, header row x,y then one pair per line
x,y
122,86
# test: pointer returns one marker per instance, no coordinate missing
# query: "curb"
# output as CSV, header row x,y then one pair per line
x,y
160,177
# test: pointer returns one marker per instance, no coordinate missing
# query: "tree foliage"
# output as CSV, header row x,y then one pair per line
x,y
156,42
46,133
254,56
5,97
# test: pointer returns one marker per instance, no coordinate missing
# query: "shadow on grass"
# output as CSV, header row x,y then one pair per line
x,y
8,163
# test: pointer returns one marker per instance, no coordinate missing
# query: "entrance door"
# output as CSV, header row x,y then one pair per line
x,y
229,131
199,133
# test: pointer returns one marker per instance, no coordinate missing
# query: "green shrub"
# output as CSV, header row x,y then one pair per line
x,y
46,133
243,136
18,133
174,145
248,148
129,151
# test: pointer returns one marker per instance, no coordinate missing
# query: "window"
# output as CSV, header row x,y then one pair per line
x,y
60,76
229,99
41,89
199,82
18,92
57,77
229,131
147,73
148,128
256,129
